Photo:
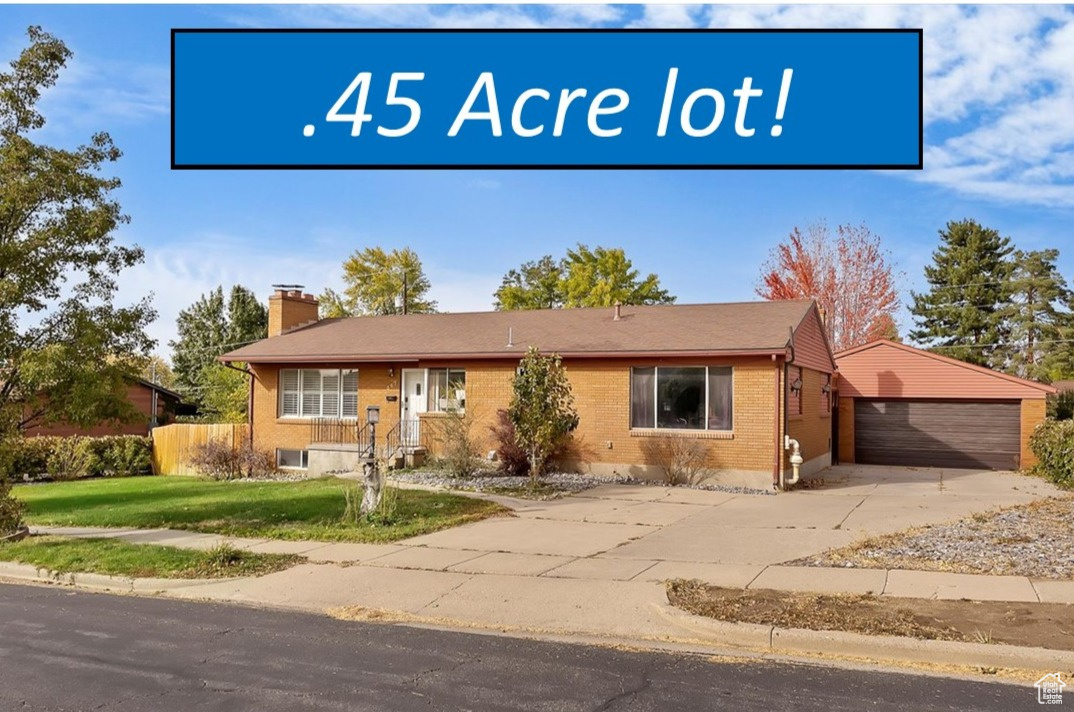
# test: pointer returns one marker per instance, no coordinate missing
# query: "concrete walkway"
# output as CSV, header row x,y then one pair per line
x,y
594,563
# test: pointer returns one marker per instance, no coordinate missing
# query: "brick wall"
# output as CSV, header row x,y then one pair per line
x,y
1033,414
813,428
846,431
602,397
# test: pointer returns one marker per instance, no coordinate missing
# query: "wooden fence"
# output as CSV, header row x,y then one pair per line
x,y
174,444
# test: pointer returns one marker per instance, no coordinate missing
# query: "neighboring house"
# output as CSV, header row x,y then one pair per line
x,y
143,395
735,377
903,406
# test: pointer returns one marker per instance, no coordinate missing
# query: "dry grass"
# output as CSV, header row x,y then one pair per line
x,y
1044,625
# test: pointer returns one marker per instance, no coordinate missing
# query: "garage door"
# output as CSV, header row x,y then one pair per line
x,y
937,433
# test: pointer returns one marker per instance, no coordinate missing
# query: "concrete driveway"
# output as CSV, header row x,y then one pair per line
x,y
617,532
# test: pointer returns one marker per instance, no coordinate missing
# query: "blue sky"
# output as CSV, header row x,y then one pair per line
x,y
999,97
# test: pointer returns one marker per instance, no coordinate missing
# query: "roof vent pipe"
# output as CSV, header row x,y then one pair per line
x,y
510,337
618,312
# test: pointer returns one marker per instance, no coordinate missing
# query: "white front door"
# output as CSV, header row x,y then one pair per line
x,y
415,401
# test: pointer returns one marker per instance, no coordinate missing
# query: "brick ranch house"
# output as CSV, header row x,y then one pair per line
x,y
735,377
143,395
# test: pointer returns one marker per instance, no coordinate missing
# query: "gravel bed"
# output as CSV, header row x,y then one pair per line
x,y
274,477
558,483
1034,540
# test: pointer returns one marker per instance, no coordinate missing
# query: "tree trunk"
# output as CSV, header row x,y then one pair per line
x,y
371,495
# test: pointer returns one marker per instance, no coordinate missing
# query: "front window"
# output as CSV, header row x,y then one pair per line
x,y
682,398
312,393
447,390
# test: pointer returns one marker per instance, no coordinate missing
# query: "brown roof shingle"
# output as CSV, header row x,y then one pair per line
x,y
688,329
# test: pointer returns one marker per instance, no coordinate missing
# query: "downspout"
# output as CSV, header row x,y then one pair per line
x,y
778,456
249,401
789,443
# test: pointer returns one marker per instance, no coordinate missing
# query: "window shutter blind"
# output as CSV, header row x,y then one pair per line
x,y
289,392
311,392
350,395
330,394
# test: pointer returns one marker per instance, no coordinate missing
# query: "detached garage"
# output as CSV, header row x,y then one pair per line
x,y
903,406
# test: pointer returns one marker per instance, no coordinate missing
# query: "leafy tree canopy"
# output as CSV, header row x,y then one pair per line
x,y
847,272
585,277
66,347
376,282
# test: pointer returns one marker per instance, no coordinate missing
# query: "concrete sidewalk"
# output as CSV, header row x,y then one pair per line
x,y
310,585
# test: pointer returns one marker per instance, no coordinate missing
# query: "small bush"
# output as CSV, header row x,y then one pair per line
x,y
458,449
69,460
28,458
10,509
1053,444
224,556
681,459
220,460
513,459
514,462
129,456
1061,406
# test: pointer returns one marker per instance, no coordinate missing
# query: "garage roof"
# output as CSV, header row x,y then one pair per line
x,y
887,369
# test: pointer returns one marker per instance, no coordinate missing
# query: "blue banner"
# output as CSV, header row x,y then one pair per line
x,y
546,99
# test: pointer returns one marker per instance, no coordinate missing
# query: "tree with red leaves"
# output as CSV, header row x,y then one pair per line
x,y
848,273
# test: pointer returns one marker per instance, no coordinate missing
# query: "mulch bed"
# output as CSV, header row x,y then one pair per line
x,y
1039,625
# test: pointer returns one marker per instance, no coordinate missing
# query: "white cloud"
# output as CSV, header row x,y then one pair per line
x,y
93,92
178,275
999,79
999,90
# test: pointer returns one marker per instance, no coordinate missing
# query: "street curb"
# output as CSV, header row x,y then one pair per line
x,y
799,641
103,582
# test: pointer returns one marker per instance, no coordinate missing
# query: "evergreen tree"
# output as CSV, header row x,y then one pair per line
x,y
962,315
1037,314
207,329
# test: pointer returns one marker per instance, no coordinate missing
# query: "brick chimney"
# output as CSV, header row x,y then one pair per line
x,y
289,308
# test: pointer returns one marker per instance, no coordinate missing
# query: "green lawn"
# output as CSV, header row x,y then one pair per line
x,y
310,509
119,558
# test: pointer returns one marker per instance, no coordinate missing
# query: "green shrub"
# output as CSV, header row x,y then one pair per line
x,y
28,458
38,457
70,459
1061,406
1053,444
10,509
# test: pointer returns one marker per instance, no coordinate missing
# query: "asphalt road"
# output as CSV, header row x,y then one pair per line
x,y
67,650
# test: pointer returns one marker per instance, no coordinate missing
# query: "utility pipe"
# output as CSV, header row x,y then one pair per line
x,y
795,447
